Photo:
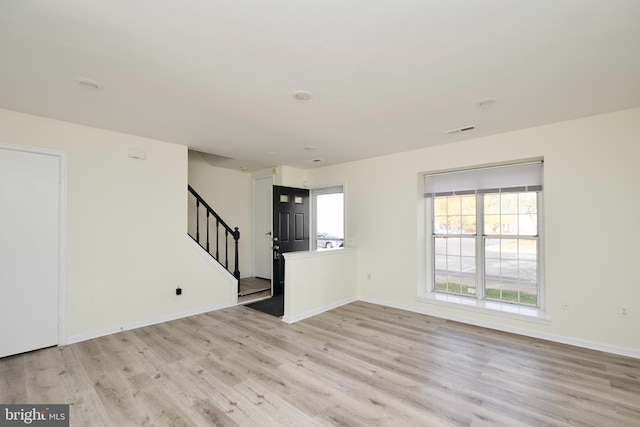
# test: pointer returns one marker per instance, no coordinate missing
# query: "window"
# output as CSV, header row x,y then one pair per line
x,y
328,206
483,229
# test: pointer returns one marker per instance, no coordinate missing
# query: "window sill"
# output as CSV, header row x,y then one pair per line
x,y
512,311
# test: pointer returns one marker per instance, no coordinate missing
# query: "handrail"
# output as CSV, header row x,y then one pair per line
x,y
206,205
235,233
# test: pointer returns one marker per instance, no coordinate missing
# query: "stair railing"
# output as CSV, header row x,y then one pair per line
x,y
228,231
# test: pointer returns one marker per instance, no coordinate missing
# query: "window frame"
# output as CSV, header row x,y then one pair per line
x,y
427,292
318,191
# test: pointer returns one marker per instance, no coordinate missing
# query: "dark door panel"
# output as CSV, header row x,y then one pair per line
x,y
283,227
299,228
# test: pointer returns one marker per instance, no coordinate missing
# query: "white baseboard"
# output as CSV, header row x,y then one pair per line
x,y
143,323
623,351
607,348
311,313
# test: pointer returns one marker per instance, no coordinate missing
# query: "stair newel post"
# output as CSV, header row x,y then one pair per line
x,y
236,273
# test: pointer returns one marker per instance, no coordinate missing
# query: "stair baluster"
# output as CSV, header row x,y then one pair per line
x,y
228,231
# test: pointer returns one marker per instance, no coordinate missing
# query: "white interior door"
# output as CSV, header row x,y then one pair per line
x,y
29,233
262,227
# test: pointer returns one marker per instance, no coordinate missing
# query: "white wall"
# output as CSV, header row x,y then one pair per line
x,y
127,248
317,281
228,192
286,176
591,211
127,219
292,177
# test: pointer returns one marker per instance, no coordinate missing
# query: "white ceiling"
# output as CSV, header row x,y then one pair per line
x,y
386,75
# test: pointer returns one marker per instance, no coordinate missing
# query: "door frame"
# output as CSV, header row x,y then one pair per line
x,y
254,236
62,229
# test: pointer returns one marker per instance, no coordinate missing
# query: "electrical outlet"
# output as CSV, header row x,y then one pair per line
x,y
624,311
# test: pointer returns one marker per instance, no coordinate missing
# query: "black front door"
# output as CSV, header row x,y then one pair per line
x,y
290,228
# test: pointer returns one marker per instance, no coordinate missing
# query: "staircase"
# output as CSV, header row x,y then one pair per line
x,y
213,234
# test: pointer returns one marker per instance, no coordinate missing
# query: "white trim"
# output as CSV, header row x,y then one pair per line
x,y
542,278
495,308
62,229
623,351
143,323
607,348
311,313
314,254
62,252
253,222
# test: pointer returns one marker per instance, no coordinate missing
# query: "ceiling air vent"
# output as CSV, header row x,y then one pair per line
x,y
458,130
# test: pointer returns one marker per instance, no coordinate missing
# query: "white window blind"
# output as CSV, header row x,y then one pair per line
x,y
499,179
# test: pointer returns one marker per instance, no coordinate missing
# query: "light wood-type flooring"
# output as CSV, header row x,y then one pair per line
x,y
357,365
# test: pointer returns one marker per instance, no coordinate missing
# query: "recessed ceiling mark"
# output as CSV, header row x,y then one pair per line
x,y
302,95
88,83
314,161
309,148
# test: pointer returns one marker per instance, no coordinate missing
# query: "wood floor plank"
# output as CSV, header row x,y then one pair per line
x,y
357,365
13,385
